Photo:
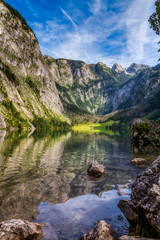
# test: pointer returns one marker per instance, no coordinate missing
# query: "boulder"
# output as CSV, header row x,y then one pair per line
x,y
17,229
102,231
95,170
129,210
139,161
143,210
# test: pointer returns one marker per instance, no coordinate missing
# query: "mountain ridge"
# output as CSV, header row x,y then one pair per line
x,y
38,90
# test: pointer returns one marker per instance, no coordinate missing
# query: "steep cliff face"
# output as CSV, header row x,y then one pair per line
x,y
98,89
90,87
27,91
141,94
35,89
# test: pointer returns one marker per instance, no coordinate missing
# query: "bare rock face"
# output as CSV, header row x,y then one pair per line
x,y
102,231
17,229
138,161
27,85
95,170
2,123
119,69
136,67
143,210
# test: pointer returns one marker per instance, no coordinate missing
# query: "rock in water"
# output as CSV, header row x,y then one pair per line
x,y
17,229
138,161
102,231
95,170
143,210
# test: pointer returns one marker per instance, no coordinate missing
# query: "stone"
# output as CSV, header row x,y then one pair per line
x,y
102,231
129,211
138,161
95,170
17,229
143,210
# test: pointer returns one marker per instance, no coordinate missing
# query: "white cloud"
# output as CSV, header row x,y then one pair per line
x,y
95,6
138,33
107,35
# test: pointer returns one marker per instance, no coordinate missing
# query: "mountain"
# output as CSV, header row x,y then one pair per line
x,y
134,68
119,69
90,87
28,92
39,90
139,96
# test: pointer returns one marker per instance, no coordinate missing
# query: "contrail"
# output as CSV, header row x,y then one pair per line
x,y
73,23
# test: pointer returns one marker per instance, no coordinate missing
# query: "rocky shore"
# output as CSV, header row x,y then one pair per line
x,y
142,211
104,231
17,229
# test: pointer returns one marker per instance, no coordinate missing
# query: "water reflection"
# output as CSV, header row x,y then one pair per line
x,y
69,221
51,169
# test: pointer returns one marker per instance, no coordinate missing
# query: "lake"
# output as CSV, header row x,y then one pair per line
x,y
43,178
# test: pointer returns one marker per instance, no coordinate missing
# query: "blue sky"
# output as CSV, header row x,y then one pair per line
x,y
94,31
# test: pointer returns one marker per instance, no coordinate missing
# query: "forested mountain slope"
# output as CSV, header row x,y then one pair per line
x,y
38,90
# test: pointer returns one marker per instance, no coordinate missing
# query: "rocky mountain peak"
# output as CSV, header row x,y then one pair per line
x,y
119,69
134,68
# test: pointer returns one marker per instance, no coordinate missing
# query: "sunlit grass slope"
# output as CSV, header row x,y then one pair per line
x,y
94,127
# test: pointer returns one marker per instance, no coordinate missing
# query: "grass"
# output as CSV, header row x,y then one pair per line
x,y
94,127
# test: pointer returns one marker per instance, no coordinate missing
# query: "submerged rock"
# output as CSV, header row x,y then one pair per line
x,y
138,161
102,231
17,229
143,210
95,170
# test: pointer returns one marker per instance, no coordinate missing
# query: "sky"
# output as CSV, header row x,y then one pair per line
x,y
109,31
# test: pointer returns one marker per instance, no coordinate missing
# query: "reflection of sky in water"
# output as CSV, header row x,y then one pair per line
x,y
77,216
47,170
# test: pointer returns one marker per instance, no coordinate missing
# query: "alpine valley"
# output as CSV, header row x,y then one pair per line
x,y
39,90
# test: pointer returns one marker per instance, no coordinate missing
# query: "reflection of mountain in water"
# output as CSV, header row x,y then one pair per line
x,y
29,175
53,169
